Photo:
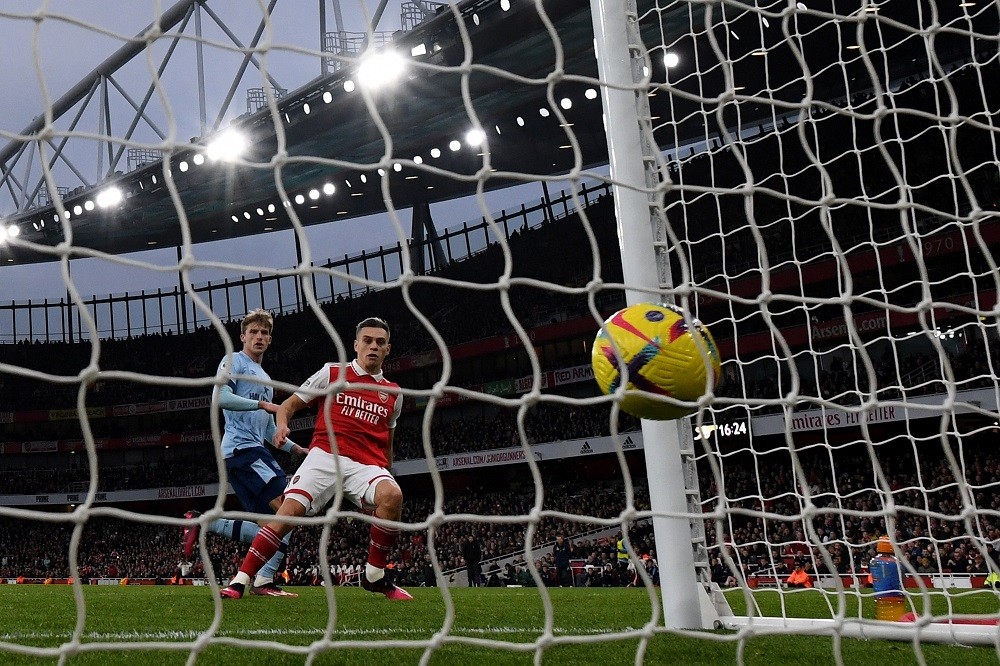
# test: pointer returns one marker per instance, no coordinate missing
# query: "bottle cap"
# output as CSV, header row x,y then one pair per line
x,y
883,545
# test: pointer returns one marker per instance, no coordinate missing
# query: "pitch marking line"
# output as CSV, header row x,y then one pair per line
x,y
191,635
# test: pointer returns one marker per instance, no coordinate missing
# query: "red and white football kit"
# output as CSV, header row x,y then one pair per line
x,y
356,423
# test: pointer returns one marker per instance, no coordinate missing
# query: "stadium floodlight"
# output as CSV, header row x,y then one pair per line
x,y
227,146
435,153
397,167
348,86
88,205
314,194
327,97
417,159
420,49
328,189
198,159
14,231
108,197
306,108
78,210
590,93
505,5
671,60
270,208
566,103
454,145
380,69
520,121
475,137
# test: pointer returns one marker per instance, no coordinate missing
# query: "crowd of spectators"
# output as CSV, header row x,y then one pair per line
x,y
837,530
768,525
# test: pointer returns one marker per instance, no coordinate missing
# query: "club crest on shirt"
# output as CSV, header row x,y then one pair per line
x,y
295,479
383,396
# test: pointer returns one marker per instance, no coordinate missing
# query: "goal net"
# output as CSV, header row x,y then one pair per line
x,y
816,182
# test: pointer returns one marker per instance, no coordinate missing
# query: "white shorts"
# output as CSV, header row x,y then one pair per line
x,y
314,484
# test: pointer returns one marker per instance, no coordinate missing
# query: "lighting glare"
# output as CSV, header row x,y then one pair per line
x,y
109,197
329,189
671,60
198,159
455,145
380,69
13,231
348,86
227,147
88,205
475,137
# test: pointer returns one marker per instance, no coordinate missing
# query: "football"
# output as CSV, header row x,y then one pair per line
x,y
663,356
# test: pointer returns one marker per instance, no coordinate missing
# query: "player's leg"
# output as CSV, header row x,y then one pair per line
x,y
269,500
369,486
264,546
315,484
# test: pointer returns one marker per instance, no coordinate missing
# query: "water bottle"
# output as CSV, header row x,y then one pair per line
x,y
890,602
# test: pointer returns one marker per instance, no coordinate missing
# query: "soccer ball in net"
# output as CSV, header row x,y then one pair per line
x,y
663,355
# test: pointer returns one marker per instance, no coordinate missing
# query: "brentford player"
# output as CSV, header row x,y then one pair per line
x,y
358,423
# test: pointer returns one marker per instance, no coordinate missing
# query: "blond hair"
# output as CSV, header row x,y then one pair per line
x,y
258,316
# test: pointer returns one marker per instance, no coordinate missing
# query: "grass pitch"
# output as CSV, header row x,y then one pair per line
x,y
167,625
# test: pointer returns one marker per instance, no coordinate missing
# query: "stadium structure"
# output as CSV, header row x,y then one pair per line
x,y
840,249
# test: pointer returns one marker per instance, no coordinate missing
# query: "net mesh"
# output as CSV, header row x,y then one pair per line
x,y
828,176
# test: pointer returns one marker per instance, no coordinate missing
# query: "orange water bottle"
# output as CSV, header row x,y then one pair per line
x,y
890,601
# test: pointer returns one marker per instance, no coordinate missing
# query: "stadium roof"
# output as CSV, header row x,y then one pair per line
x,y
329,132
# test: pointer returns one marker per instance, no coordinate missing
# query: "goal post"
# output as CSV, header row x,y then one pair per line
x,y
635,173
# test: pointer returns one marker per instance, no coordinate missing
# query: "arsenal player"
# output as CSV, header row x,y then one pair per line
x,y
354,429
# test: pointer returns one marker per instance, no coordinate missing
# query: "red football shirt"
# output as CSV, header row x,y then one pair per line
x,y
361,417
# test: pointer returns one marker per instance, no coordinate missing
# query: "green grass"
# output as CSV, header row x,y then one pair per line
x,y
45,616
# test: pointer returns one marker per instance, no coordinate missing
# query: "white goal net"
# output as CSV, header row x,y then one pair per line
x,y
816,182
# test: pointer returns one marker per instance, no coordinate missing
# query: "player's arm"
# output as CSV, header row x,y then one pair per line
x,y
236,403
289,445
285,412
